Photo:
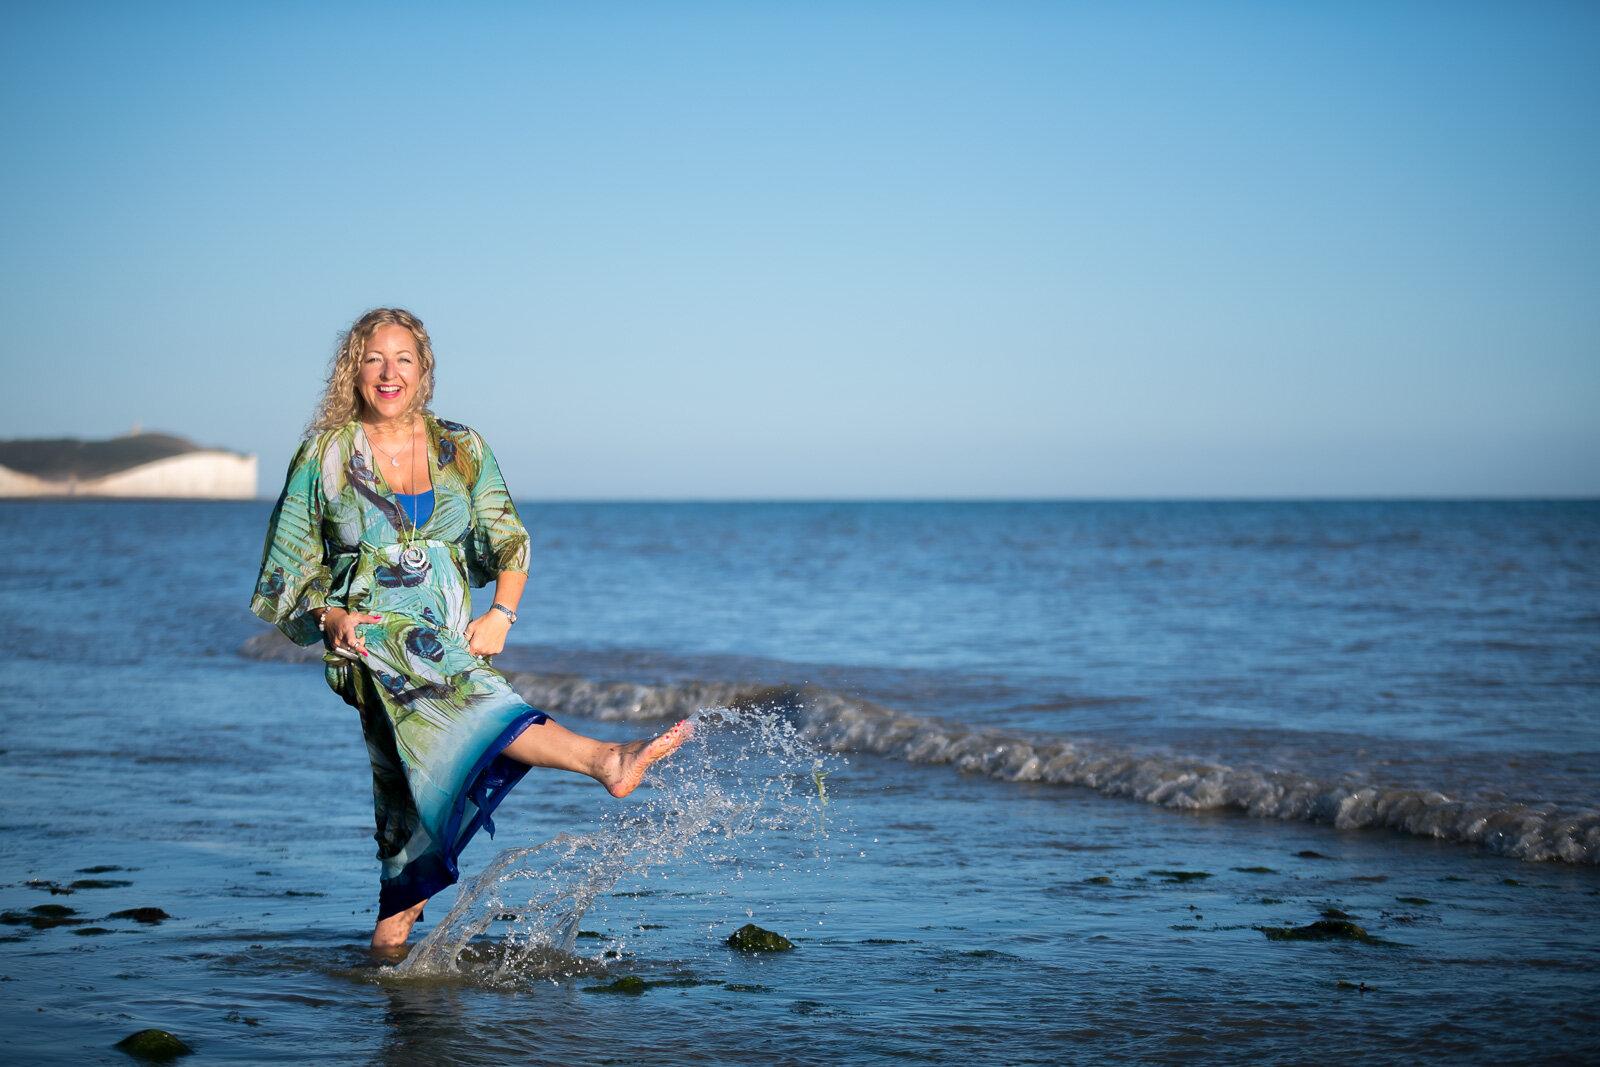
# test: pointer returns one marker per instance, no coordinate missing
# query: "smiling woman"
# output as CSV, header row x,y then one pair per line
x,y
388,517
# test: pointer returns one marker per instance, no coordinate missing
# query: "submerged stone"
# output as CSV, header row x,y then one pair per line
x,y
99,883
751,938
1256,870
42,917
1098,879
630,985
1414,900
154,1045
1321,930
143,915
1183,876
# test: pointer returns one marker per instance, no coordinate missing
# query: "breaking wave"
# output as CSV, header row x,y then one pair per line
x,y
843,724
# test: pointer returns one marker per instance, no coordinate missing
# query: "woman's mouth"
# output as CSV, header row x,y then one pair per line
x,y
388,392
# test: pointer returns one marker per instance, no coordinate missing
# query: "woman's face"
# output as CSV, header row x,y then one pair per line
x,y
389,374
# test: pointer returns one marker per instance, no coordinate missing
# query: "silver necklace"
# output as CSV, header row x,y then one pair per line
x,y
394,461
412,557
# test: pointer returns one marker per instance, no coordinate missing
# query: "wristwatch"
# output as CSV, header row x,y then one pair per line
x,y
507,612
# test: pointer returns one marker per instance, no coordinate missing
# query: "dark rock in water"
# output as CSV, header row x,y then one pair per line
x,y
143,915
1255,870
751,938
99,883
154,1045
1183,876
1335,913
1098,879
101,868
632,985
42,917
1414,900
1321,930
1307,854
93,931
629,985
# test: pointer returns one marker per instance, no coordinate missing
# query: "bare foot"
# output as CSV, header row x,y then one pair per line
x,y
636,757
389,936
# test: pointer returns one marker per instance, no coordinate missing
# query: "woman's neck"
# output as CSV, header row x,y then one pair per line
x,y
398,429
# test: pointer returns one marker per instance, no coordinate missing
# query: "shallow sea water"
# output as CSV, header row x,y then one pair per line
x,y
938,915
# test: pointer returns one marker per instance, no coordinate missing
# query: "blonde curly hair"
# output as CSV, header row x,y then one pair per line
x,y
340,402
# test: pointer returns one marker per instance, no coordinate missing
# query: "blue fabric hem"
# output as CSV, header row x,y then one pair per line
x,y
490,779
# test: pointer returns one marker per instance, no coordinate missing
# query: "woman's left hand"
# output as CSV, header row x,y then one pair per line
x,y
486,635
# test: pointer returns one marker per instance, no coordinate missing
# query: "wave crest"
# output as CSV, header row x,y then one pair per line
x,y
842,723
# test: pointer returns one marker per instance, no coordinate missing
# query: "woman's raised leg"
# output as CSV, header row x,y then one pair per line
x,y
617,767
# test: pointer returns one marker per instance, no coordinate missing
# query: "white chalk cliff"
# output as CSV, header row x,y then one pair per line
x,y
138,465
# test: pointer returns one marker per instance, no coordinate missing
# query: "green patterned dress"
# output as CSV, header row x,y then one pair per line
x,y
436,718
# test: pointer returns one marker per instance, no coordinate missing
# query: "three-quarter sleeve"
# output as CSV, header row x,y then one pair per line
x,y
499,540
294,575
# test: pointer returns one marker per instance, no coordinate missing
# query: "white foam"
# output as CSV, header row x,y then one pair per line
x,y
846,724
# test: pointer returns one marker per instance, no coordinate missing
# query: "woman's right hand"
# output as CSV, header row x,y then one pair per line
x,y
341,626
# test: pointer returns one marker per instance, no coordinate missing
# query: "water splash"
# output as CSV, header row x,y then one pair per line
x,y
746,780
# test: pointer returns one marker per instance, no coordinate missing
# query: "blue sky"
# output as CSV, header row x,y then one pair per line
x,y
829,250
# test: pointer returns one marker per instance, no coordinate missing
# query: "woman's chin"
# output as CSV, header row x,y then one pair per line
x,y
377,409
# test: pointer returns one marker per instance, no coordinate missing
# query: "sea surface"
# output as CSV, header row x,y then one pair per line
x,y
1020,783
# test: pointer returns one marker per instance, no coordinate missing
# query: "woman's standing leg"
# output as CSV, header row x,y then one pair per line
x,y
391,933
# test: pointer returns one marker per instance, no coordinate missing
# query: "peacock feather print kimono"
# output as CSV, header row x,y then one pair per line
x,y
436,718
